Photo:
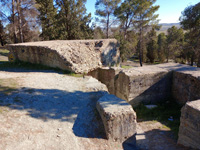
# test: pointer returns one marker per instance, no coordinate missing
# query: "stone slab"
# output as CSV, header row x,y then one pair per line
x,y
118,117
79,56
148,84
106,75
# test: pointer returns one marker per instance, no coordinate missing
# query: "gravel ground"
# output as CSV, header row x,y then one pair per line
x,y
44,110
51,111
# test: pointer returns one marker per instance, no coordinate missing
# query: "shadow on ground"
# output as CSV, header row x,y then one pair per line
x,y
29,67
157,139
46,104
180,67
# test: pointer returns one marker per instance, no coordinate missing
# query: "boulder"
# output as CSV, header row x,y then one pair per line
x,y
118,117
79,56
189,130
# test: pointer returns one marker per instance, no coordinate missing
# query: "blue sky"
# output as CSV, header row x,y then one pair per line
x,y
169,12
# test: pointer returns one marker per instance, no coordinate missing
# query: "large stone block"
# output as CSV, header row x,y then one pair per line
x,y
79,56
189,130
185,87
148,85
106,76
118,117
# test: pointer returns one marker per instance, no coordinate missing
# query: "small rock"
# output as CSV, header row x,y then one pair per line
x,y
58,135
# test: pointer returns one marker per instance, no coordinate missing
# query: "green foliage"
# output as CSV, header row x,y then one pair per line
x,y
126,67
175,39
4,52
98,33
162,43
128,46
162,113
2,34
48,14
152,51
125,13
72,20
137,15
144,17
190,21
152,46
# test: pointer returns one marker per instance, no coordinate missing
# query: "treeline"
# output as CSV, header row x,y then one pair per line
x,y
33,20
133,22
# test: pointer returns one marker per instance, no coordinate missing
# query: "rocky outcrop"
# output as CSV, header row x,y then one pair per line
x,y
79,56
148,85
118,117
189,130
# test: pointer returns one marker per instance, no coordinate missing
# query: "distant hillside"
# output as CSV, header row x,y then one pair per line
x,y
166,26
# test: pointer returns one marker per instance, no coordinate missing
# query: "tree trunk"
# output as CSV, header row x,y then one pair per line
x,y
192,60
140,48
13,22
20,20
125,33
167,54
107,25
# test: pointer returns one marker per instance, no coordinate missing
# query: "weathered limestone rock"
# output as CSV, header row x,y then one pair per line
x,y
186,87
106,76
148,84
189,130
118,117
79,56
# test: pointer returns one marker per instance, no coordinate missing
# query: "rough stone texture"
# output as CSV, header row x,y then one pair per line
x,y
118,117
147,84
106,76
79,56
185,87
189,130
152,84
185,83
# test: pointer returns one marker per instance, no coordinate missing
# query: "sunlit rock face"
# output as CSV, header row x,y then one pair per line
x,y
79,56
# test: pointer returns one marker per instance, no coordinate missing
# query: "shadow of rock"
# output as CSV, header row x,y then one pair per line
x,y
74,107
89,123
130,143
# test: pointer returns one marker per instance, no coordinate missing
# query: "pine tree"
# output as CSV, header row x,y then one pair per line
x,y
47,16
125,13
162,47
73,21
105,10
175,39
144,17
190,21
2,34
152,46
